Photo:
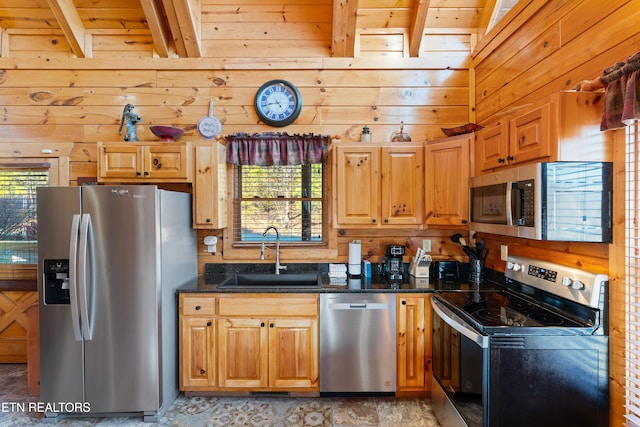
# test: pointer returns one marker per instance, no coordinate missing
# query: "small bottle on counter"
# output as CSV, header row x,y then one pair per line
x,y
365,136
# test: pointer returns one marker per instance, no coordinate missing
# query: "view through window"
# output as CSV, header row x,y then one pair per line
x,y
18,222
291,198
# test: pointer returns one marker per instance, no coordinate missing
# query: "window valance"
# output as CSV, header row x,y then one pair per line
x,y
276,149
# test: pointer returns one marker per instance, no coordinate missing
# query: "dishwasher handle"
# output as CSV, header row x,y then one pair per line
x,y
358,306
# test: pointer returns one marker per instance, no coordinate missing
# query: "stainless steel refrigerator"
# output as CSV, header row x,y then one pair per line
x,y
110,260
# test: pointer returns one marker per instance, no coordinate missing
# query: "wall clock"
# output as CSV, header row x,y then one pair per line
x,y
278,103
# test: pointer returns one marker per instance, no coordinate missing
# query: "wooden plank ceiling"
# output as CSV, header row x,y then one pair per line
x,y
175,25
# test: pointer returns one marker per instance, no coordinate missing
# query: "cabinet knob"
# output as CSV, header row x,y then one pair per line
x,y
202,371
198,307
138,173
271,325
209,323
403,302
146,173
262,325
207,220
373,220
386,220
501,160
510,158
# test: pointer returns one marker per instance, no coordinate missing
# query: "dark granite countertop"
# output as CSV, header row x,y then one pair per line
x,y
216,274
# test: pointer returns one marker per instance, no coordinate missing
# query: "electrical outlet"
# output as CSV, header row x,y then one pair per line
x,y
504,252
426,245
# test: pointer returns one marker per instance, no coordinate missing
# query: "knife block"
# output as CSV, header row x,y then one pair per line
x,y
419,269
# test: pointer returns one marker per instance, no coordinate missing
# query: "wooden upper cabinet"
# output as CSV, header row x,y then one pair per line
x,y
563,127
378,185
357,184
210,186
447,180
145,163
402,181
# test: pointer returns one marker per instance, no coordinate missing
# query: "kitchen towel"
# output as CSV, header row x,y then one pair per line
x,y
355,251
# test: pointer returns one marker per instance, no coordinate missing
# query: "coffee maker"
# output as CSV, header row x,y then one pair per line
x,y
392,267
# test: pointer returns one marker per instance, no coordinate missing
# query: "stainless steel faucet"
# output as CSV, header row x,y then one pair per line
x,y
262,248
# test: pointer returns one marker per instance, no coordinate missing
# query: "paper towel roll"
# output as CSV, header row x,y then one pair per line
x,y
355,251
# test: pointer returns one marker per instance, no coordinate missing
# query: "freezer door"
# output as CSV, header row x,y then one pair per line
x,y
61,355
123,288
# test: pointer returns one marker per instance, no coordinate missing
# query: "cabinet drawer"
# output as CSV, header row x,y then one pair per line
x,y
198,305
264,305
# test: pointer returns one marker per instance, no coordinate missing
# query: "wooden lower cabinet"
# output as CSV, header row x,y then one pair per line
x,y
413,340
268,353
249,342
197,361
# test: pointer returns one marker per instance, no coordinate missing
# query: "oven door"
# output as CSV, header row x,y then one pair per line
x,y
460,366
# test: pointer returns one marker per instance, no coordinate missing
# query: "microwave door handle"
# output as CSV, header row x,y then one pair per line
x,y
508,203
458,324
73,276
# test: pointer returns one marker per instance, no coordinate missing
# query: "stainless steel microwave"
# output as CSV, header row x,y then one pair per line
x,y
563,201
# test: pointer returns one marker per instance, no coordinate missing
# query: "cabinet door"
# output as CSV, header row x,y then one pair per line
x,y
166,161
530,137
197,358
293,353
120,161
413,354
210,187
243,356
447,181
402,181
492,147
357,185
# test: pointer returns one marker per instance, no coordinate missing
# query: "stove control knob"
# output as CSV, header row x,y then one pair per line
x,y
566,281
516,266
509,265
577,285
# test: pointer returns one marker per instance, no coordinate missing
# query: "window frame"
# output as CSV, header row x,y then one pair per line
x,y
289,252
58,156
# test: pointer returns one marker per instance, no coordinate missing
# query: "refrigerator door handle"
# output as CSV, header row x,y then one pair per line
x,y
73,273
85,273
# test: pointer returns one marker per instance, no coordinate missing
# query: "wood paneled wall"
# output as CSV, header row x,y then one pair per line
x,y
542,47
48,95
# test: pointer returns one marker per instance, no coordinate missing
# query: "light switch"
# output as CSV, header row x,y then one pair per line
x,y
426,245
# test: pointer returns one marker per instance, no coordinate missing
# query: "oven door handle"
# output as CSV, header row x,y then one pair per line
x,y
458,324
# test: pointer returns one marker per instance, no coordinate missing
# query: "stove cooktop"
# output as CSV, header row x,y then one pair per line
x,y
502,308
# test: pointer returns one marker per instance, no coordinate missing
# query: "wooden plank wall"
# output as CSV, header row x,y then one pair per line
x,y
49,96
542,47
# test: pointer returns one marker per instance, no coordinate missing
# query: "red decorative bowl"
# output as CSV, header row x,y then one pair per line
x,y
166,133
461,130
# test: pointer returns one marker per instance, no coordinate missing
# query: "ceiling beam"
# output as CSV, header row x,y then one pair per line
x,y
153,12
67,16
416,31
343,32
184,27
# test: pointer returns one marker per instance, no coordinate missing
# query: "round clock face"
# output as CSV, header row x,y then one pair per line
x,y
278,103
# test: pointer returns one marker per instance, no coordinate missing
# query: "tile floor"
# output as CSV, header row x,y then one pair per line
x,y
237,411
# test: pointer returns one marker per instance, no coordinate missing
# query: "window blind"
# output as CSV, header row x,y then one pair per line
x,y
287,197
632,273
18,222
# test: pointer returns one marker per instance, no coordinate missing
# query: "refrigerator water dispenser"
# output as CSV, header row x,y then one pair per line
x,y
56,281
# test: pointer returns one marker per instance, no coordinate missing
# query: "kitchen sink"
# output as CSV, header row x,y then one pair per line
x,y
266,280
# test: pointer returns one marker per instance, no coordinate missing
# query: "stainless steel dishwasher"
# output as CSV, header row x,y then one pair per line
x,y
358,343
